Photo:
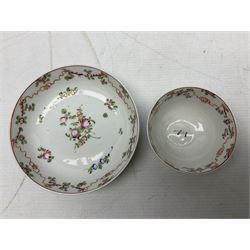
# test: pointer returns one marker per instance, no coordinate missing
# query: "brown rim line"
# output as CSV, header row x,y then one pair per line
x,y
128,160
171,165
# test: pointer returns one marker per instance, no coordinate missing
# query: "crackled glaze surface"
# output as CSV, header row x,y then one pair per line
x,y
192,130
74,129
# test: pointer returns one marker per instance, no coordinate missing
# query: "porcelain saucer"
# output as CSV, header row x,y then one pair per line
x,y
74,129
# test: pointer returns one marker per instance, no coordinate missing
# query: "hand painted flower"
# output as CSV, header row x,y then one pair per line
x,y
44,154
21,120
63,120
94,166
47,155
81,126
85,123
75,133
204,99
109,103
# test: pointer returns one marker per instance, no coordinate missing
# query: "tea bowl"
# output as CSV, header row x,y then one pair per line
x,y
192,130
74,129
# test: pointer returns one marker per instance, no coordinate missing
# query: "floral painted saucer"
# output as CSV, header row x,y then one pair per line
x,y
192,130
74,129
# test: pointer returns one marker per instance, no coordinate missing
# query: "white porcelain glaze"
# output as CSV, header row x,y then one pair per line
x,y
74,129
192,130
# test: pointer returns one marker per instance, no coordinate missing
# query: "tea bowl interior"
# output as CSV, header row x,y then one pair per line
x,y
192,130
74,129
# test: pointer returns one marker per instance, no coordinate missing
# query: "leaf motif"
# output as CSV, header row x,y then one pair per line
x,y
64,111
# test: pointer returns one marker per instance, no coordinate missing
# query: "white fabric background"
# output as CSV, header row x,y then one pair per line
x,y
149,64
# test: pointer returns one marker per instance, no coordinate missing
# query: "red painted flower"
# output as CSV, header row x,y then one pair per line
x,y
63,120
109,103
47,155
85,123
75,133
204,99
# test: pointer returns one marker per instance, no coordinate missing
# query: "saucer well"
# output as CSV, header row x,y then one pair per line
x,y
192,130
74,129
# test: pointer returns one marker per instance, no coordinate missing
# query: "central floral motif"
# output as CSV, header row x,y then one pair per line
x,y
81,126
